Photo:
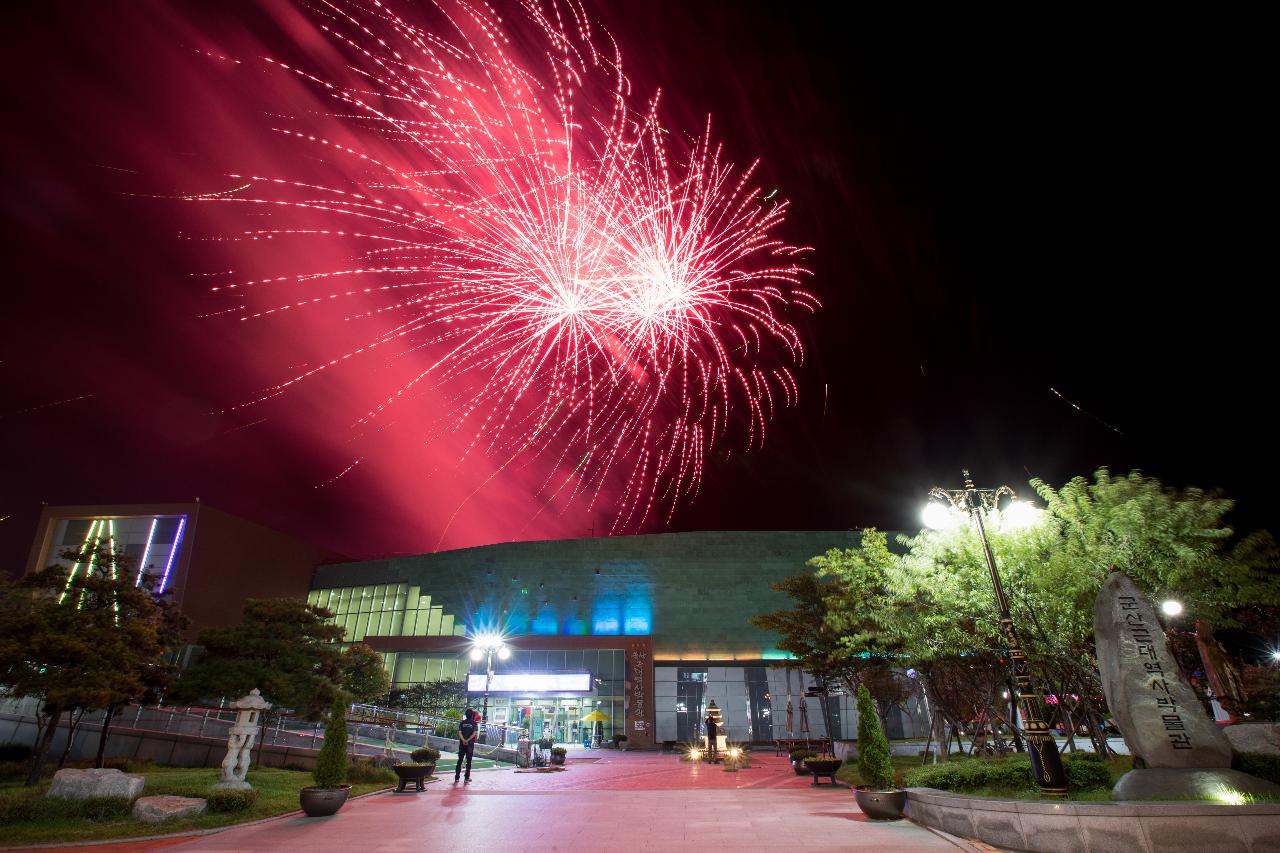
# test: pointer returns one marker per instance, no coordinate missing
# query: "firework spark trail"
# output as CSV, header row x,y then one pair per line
x,y
579,281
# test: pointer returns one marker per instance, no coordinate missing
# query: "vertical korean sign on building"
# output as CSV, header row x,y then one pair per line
x,y
639,678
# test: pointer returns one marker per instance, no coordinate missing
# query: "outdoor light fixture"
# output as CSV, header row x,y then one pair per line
x,y
1171,608
1275,656
734,752
979,505
695,754
484,646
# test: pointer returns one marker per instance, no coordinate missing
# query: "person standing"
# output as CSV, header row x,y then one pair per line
x,y
468,733
713,754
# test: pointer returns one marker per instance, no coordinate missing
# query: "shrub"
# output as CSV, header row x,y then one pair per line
x,y
1086,770
426,755
559,751
231,800
331,763
802,754
15,752
1264,765
449,728
367,772
874,764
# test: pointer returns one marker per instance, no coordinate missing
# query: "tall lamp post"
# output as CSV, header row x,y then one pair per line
x,y
485,646
943,510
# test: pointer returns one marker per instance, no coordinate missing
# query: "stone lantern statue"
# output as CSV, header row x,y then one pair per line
x,y
240,742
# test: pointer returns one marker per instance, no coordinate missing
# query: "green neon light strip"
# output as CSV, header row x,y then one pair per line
x,y
76,567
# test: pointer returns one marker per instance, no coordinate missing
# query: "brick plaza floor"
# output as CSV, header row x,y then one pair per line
x,y
632,802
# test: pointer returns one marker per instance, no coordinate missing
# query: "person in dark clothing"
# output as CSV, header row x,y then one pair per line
x,y
468,733
712,730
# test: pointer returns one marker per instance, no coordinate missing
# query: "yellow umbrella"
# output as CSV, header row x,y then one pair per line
x,y
596,716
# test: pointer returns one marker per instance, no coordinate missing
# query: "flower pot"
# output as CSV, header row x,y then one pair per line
x,y
322,802
881,805
557,760
821,767
415,774
799,768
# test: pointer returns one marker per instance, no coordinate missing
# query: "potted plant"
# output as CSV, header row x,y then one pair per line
x,y
558,754
878,797
330,791
822,765
417,771
798,757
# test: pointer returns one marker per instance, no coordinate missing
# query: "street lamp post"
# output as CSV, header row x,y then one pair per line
x,y
1046,763
485,646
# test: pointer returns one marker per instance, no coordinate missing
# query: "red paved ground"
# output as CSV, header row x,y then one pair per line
x,y
625,802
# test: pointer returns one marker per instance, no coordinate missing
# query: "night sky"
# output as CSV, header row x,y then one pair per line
x,y
999,207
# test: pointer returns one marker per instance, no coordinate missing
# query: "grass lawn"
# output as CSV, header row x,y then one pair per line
x,y
277,794
848,772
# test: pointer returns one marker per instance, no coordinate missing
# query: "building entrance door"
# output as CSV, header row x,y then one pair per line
x,y
550,717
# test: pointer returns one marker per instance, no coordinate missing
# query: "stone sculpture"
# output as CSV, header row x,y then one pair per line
x,y
241,739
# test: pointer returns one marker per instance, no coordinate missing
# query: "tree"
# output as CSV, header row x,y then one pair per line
x,y
83,640
331,763
434,698
364,676
284,647
874,764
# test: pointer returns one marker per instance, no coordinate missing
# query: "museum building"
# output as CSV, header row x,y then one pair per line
x,y
646,629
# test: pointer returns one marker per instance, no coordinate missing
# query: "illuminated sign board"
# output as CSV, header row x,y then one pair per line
x,y
531,682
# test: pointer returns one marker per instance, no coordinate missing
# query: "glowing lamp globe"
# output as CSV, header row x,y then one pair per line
x,y
477,653
939,517
503,653
1020,515
1171,608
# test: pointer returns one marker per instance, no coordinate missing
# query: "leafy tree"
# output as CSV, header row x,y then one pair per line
x,y
874,764
434,698
331,763
364,677
284,647
84,641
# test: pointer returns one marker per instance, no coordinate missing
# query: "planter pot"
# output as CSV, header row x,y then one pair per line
x,y
411,774
322,802
557,760
799,768
823,767
881,805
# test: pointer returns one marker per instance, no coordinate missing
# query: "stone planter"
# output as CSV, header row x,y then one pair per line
x,y
413,774
323,802
880,805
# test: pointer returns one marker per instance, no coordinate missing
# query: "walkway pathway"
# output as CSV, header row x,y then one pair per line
x,y
632,802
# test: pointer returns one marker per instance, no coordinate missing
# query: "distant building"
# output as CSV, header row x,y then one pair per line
x,y
653,627
208,560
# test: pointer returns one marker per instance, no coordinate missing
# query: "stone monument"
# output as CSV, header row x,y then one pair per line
x,y
1178,752
240,742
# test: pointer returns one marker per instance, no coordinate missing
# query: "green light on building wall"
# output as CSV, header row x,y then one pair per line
x,y
776,654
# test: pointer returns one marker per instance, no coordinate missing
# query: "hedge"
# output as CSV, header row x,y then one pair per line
x,y
1084,770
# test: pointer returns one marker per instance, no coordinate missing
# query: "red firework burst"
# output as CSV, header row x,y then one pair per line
x,y
580,282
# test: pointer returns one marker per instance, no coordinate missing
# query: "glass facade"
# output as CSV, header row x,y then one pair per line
x,y
691,690
151,542
759,703
385,610
559,716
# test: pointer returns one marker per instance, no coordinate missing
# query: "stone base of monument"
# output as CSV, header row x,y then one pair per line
x,y
1215,784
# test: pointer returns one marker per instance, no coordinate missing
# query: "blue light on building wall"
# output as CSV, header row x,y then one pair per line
x,y
546,622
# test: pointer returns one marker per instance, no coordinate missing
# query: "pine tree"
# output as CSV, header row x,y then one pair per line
x,y
873,748
331,763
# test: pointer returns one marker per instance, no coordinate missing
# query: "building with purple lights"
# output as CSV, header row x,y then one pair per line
x,y
209,561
